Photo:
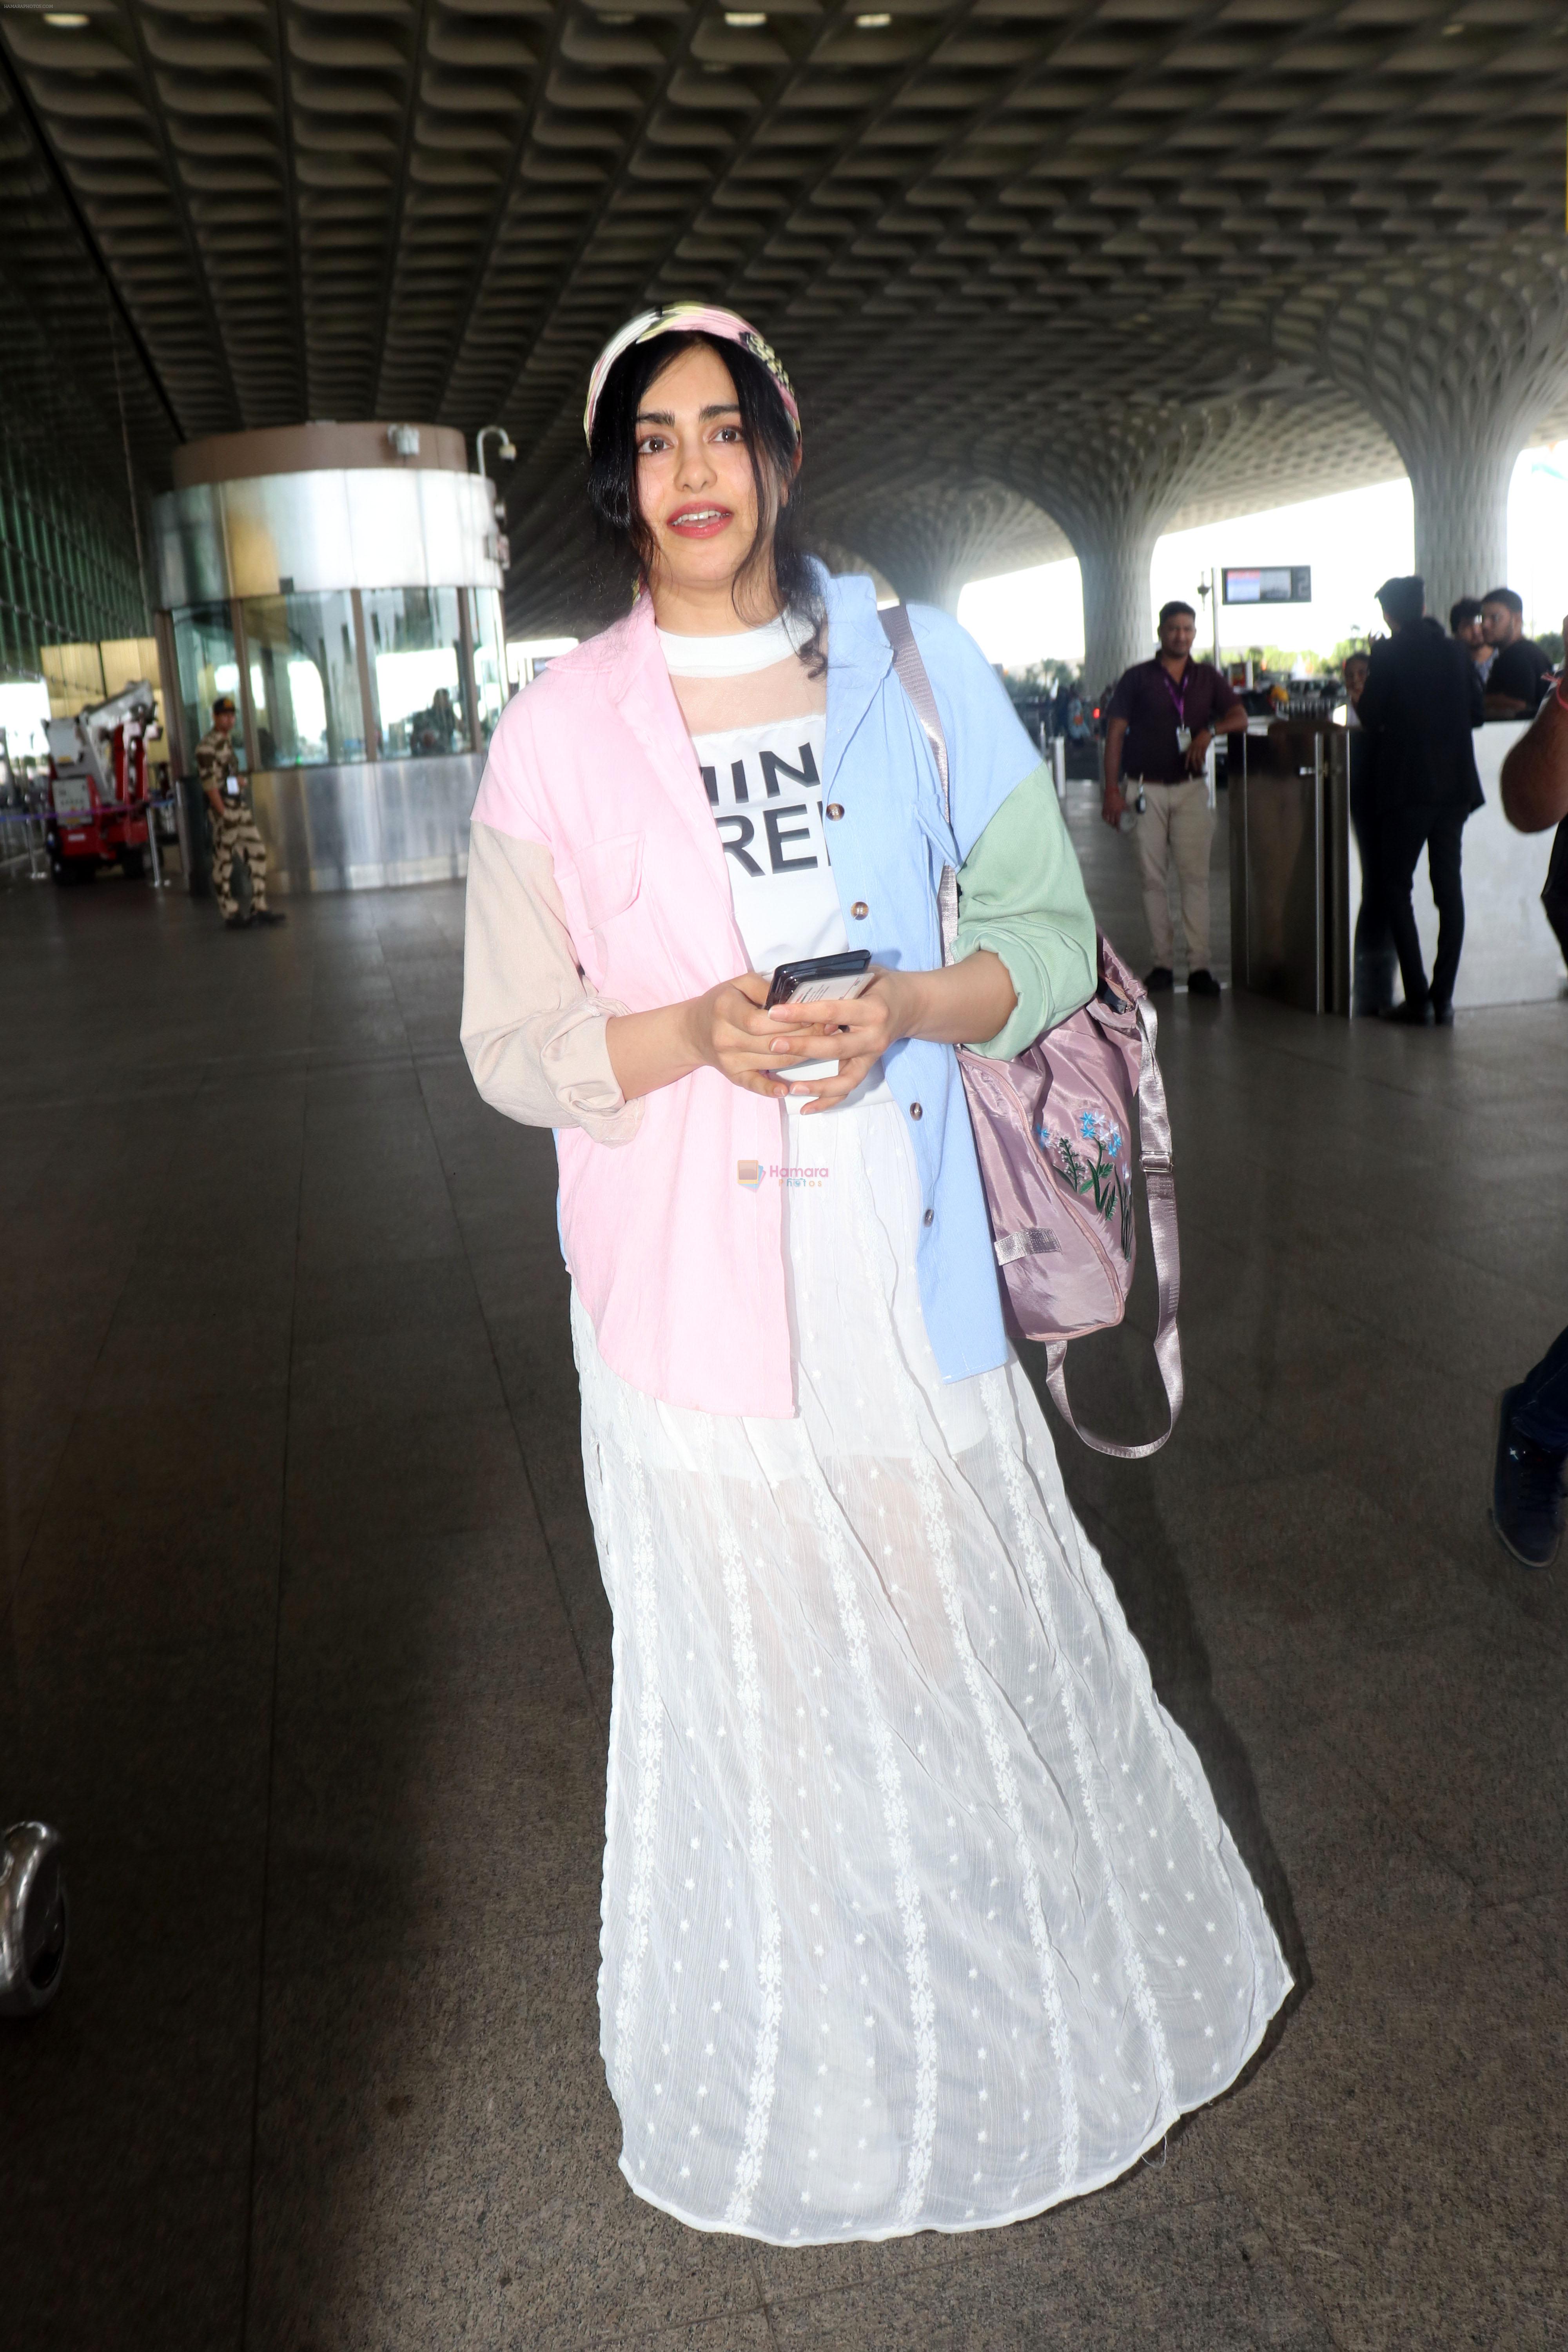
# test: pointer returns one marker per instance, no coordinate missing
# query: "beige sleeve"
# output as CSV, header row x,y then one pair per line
x,y
534,1033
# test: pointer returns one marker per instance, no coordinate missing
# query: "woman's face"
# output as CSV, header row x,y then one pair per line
x,y
695,489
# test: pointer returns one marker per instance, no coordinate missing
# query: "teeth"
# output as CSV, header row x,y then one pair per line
x,y
701,514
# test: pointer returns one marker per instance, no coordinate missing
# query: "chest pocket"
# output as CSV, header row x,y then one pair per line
x,y
609,876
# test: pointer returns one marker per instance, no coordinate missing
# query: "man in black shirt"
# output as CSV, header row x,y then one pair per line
x,y
1520,673
1420,703
1161,719
1466,622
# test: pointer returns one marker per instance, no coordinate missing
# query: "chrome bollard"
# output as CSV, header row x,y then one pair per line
x,y
33,1918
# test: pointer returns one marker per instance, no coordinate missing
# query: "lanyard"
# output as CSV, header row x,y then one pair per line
x,y
1179,700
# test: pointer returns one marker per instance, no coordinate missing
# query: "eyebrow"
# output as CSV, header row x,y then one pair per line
x,y
666,415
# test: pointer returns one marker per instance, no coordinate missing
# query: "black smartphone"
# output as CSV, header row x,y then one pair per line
x,y
816,980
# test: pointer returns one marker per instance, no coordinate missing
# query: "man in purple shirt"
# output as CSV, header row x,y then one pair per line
x,y
1162,717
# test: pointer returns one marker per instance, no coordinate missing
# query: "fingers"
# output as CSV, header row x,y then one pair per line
x,y
824,1093
829,1012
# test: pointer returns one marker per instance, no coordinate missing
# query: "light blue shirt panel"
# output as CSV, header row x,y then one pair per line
x,y
889,850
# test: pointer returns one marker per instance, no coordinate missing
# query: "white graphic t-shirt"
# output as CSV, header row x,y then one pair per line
x,y
759,722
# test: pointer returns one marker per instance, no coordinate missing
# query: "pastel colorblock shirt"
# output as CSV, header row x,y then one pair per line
x,y
597,885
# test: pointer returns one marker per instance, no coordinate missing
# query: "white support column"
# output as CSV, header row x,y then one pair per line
x,y
929,539
1118,602
1113,481
1459,369
1460,487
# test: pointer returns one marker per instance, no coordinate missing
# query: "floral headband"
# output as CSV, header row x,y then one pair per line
x,y
682,319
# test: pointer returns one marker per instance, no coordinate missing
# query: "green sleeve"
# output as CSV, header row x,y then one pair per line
x,y
1020,894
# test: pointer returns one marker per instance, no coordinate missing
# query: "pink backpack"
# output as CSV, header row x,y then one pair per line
x,y
1053,1130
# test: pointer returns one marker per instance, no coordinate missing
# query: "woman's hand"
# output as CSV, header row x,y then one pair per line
x,y
961,1002
731,1032
858,1030
727,1030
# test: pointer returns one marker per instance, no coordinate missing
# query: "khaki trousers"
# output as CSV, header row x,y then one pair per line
x,y
1178,824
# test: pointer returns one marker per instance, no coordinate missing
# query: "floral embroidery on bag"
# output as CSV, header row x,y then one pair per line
x,y
1110,1186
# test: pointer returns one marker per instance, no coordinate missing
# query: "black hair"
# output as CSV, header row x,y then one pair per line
x,y
771,445
1356,653
1468,608
1175,605
1509,597
1404,599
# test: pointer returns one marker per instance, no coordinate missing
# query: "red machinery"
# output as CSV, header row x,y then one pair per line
x,y
98,785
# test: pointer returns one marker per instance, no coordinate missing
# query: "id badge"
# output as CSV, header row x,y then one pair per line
x,y
231,788
1184,739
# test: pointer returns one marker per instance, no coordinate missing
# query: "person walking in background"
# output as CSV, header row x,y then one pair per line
x,y
1535,795
1533,1416
231,822
1375,961
1521,672
1466,622
1162,718
1421,701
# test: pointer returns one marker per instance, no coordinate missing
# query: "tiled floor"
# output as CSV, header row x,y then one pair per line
x,y
305,1649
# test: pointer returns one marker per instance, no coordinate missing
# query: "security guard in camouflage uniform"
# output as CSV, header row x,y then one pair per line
x,y
231,822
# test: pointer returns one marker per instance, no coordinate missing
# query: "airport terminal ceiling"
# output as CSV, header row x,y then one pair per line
x,y
1035,266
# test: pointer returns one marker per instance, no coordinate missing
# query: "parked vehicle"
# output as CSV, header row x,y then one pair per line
x,y
98,785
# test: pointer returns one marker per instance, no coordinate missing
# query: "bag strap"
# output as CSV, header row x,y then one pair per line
x,y
912,674
1153,1113
1160,1191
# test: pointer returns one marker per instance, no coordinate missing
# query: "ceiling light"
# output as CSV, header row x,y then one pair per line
x,y
1449,31
63,23
872,24
746,20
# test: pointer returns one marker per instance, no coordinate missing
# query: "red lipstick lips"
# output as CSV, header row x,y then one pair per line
x,y
701,520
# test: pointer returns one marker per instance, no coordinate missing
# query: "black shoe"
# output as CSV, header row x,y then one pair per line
x,y
1443,1015
1201,983
1418,1016
270,915
1160,977
237,922
1526,1492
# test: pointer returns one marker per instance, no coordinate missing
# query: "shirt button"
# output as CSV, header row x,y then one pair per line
x,y
859,910
835,808
915,1111
929,1217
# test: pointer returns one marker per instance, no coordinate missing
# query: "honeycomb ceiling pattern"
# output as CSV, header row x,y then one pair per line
x,y
1042,270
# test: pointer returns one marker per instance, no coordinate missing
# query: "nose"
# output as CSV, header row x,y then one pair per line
x,y
695,466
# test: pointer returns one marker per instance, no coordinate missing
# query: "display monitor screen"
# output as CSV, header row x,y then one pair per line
x,y
1268,584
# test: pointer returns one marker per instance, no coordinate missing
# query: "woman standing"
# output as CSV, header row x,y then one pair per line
x,y
917,1910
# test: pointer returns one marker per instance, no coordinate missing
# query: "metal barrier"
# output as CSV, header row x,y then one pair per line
x,y
34,849
1289,864
33,853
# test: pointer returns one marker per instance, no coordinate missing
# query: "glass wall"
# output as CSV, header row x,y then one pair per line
x,y
306,671
208,667
304,680
489,659
414,639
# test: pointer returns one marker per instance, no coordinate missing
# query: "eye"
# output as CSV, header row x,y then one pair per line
x,y
730,433
651,444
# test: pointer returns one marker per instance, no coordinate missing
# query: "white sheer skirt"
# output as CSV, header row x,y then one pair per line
x,y
917,1911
